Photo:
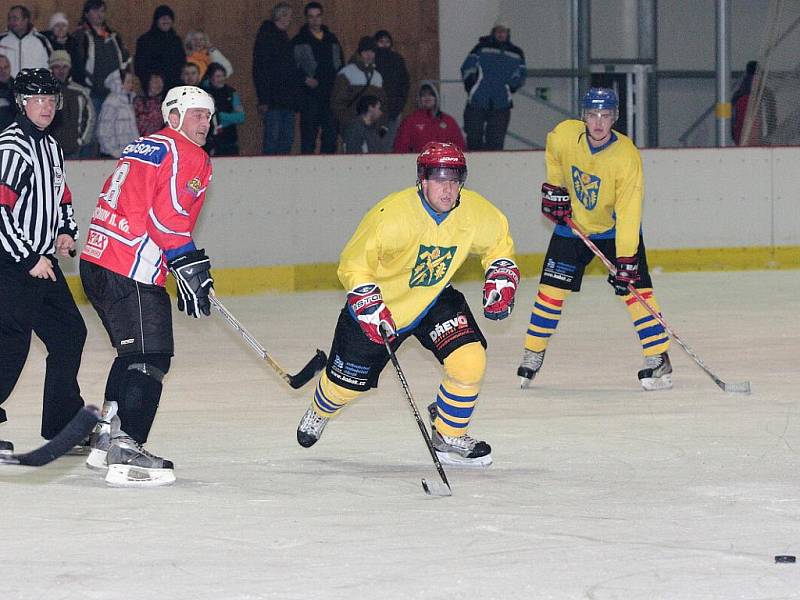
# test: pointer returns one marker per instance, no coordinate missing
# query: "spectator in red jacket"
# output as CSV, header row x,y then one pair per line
x,y
427,124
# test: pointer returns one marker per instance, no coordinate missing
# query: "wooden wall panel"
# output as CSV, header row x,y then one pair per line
x,y
232,26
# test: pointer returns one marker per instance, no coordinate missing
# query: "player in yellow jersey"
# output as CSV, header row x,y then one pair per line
x,y
397,268
594,175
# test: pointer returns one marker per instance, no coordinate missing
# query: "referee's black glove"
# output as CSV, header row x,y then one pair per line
x,y
193,275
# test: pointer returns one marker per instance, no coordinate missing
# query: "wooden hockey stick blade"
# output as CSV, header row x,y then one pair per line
x,y
314,366
75,431
436,489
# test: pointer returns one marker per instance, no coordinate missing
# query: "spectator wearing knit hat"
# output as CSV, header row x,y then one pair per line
x,y
58,31
392,67
359,78
73,125
160,50
493,70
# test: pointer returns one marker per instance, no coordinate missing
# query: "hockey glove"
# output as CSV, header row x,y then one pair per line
x,y
193,278
555,203
365,303
502,279
627,274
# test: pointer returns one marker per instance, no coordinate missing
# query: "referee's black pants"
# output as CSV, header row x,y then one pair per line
x,y
46,308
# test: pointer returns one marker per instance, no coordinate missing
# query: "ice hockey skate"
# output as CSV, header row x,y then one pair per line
x,y
6,447
657,372
462,451
531,363
130,465
310,429
100,440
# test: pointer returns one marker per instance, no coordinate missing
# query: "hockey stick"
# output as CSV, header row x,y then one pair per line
x,y
75,431
741,387
316,364
432,489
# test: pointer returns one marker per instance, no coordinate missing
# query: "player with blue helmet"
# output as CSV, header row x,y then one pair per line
x,y
594,176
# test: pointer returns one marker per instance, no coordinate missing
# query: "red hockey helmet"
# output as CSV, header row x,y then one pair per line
x,y
442,160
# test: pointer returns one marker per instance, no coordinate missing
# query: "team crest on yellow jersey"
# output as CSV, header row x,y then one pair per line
x,y
431,266
587,187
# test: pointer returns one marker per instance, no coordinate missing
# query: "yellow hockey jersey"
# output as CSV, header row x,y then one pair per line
x,y
400,246
605,186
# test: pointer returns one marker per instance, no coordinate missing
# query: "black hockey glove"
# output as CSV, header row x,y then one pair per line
x,y
193,277
555,203
627,274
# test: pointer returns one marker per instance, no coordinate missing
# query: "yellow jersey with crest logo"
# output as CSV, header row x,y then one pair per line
x,y
605,184
412,253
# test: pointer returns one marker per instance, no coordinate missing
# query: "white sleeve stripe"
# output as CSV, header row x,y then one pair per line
x,y
164,228
173,190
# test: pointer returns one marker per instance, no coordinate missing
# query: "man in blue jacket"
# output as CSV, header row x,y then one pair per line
x,y
493,70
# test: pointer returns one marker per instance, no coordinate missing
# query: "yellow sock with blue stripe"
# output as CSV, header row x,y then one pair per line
x,y
545,316
458,392
330,398
652,336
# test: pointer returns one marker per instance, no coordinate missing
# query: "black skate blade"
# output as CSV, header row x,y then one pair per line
x,y
436,489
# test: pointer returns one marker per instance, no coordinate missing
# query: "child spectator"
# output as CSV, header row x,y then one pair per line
x,y
365,134
58,31
200,52
116,126
223,139
190,74
147,106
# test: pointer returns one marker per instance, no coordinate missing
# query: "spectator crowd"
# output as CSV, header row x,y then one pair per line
x,y
353,104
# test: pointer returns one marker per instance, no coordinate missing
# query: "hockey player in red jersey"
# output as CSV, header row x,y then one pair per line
x,y
141,228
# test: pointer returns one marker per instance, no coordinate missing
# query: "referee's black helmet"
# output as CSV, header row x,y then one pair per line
x,y
35,82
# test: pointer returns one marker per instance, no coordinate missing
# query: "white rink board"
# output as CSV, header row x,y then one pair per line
x,y
599,490
265,211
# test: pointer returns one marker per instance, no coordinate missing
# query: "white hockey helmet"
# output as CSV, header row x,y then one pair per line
x,y
183,98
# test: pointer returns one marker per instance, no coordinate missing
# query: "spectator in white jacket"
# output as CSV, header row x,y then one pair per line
x,y
116,126
24,47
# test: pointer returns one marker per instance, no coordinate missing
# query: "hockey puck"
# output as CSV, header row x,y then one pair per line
x,y
785,558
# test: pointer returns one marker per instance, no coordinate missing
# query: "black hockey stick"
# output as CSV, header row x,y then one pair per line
x,y
75,431
740,387
432,489
315,365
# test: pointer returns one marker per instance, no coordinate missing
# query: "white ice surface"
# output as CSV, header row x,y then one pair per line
x,y
598,490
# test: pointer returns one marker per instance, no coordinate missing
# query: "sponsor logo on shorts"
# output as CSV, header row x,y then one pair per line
x,y
348,372
587,187
127,342
446,331
432,265
559,270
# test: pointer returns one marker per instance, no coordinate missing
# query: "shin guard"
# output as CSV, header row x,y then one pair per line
x,y
140,393
458,392
545,316
652,336
330,398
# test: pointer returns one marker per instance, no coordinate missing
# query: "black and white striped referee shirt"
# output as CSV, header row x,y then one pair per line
x,y
35,201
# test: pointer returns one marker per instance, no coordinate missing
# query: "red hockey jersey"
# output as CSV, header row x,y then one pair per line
x,y
148,205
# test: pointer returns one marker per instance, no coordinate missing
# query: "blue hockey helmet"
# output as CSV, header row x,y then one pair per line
x,y
599,99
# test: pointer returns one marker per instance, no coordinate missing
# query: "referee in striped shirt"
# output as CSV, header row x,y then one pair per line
x,y
36,225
